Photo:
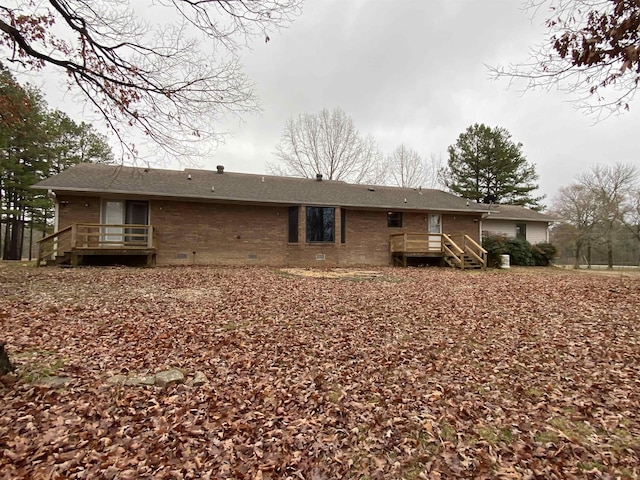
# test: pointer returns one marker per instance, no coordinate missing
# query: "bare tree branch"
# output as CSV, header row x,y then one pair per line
x,y
591,51
406,167
172,79
329,144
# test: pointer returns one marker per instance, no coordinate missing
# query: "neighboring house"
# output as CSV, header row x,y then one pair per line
x,y
174,217
517,222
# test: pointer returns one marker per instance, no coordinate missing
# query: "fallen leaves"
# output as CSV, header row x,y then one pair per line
x,y
419,373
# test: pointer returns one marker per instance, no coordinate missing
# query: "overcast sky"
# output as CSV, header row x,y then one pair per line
x,y
413,71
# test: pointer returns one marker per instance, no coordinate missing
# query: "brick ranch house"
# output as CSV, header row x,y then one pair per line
x,y
170,217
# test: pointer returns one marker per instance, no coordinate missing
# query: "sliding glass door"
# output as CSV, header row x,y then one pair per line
x,y
117,213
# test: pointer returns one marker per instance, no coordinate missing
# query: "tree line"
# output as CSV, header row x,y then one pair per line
x,y
35,142
600,216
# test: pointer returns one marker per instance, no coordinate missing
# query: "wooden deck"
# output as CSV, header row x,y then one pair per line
x,y
463,253
87,241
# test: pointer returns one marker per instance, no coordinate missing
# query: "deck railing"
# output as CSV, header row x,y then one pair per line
x,y
51,246
111,235
94,236
415,242
464,252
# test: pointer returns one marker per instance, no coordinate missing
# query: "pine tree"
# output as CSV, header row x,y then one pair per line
x,y
485,165
35,143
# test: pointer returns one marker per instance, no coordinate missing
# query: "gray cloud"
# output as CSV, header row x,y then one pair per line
x,y
413,71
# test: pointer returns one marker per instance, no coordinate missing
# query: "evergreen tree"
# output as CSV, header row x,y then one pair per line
x,y
35,143
485,165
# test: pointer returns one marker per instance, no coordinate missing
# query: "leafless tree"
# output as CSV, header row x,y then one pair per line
x,y
592,50
327,143
169,68
597,206
631,218
576,207
610,187
406,168
435,167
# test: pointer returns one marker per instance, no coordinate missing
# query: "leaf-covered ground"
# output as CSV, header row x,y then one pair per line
x,y
418,373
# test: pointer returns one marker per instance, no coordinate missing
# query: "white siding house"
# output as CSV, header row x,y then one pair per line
x,y
517,222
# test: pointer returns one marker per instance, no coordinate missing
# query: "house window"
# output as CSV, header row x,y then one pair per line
x,y
320,224
394,219
435,223
343,225
293,224
521,230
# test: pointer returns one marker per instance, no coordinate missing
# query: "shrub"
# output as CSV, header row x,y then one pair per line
x,y
495,245
544,254
520,251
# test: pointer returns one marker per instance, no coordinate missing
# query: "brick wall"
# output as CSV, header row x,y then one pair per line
x,y
457,226
208,233
188,233
77,209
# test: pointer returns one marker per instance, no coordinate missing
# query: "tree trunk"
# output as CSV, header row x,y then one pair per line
x,y
576,258
12,239
610,250
5,363
7,229
21,238
30,236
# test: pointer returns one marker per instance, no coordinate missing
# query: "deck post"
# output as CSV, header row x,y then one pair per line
x,y
74,235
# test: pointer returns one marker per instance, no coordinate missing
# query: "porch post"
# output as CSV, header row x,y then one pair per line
x,y
74,235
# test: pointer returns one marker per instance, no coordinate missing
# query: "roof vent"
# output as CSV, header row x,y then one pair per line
x,y
371,189
189,177
220,168
319,177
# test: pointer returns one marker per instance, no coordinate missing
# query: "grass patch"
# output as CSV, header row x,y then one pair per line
x,y
546,437
534,392
35,370
590,466
576,432
494,436
231,326
447,432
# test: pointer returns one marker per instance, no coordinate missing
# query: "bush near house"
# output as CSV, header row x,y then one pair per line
x,y
520,251
544,254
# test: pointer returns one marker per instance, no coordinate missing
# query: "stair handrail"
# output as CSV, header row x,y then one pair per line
x,y
43,253
447,239
453,250
481,256
457,260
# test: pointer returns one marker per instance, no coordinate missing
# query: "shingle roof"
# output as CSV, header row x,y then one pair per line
x,y
517,212
241,187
